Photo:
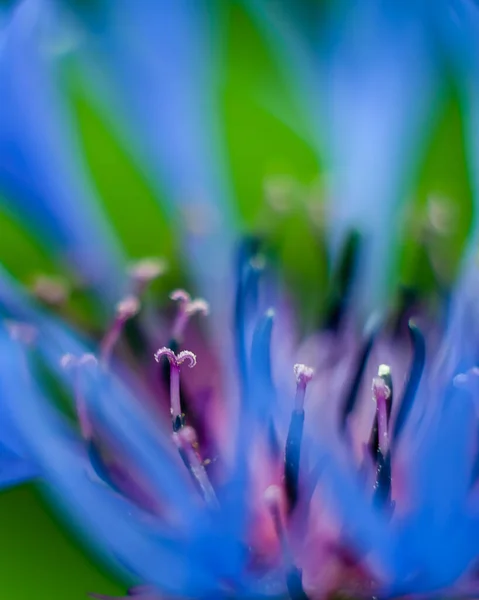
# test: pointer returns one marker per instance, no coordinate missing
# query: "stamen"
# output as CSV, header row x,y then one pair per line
x,y
248,272
382,397
187,444
342,281
417,367
303,375
187,308
125,309
381,394
262,381
384,372
175,361
371,331
292,457
294,583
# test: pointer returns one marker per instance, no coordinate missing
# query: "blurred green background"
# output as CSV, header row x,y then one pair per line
x,y
38,557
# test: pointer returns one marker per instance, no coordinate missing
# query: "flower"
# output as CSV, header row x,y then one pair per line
x,y
353,484
246,463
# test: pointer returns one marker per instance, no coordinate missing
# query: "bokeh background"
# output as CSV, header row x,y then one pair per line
x,y
267,152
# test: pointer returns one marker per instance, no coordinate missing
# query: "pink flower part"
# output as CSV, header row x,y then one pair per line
x,y
176,360
199,306
381,394
303,375
181,296
188,307
127,308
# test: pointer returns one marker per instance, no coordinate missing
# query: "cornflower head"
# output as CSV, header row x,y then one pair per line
x,y
347,465
252,463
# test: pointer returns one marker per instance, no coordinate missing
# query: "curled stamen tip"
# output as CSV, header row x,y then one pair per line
x,y
147,269
128,307
175,359
167,353
186,355
303,373
380,390
180,296
270,313
88,360
68,361
198,306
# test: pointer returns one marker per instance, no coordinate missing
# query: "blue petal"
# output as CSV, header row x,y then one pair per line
x,y
369,80
42,177
13,469
157,63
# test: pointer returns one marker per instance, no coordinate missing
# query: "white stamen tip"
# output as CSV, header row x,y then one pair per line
x,y
384,371
186,355
273,496
88,360
303,373
128,307
147,269
180,296
198,306
68,361
176,359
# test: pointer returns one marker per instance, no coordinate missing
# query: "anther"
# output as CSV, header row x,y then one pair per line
x,y
381,395
303,376
124,310
175,361
249,268
370,333
292,455
384,372
343,278
187,308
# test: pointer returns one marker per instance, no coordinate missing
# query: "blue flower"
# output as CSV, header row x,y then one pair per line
x,y
42,177
199,482
233,460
